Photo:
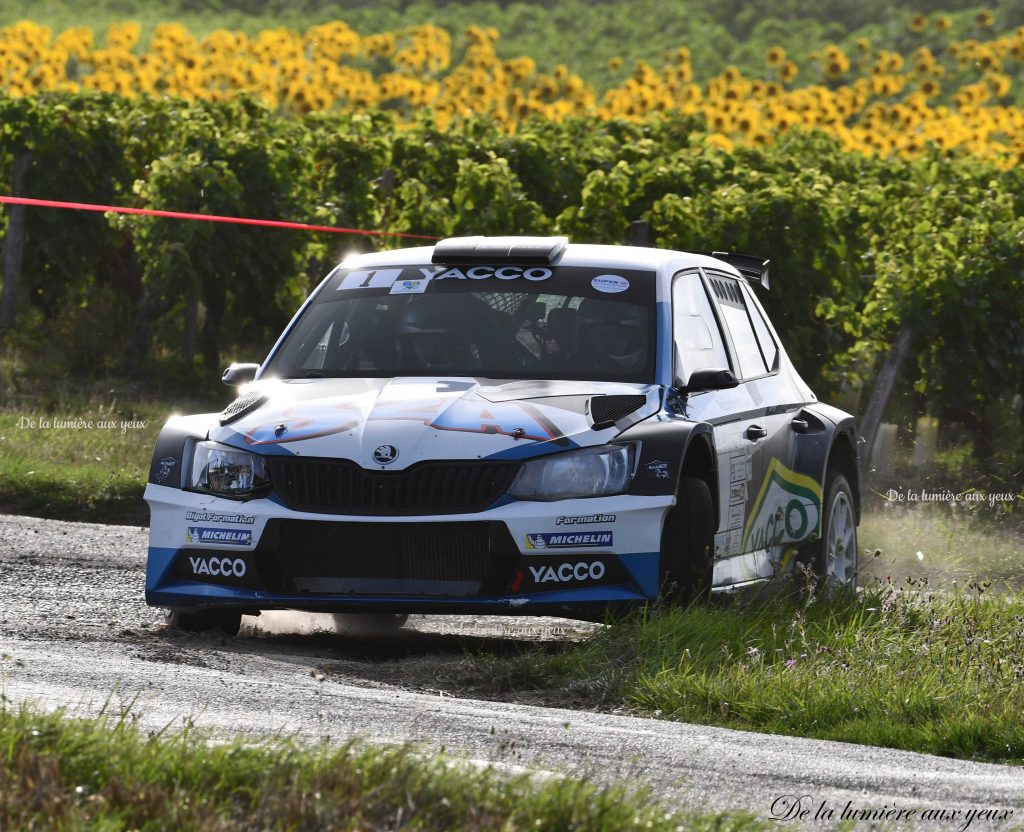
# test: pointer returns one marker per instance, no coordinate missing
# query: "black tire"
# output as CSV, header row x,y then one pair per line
x,y
688,543
833,558
226,621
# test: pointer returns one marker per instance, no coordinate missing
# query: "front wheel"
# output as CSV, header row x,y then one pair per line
x,y
226,621
688,542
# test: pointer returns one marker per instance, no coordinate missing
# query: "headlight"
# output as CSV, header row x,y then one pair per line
x,y
227,472
593,472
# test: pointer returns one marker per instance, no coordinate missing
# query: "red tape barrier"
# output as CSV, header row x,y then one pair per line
x,y
180,215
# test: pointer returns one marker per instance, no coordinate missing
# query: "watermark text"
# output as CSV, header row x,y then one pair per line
x,y
57,423
946,495
790,808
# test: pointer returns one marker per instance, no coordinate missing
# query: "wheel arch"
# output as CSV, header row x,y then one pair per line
x,y
669,450
844,458
699,461
168,462
830,442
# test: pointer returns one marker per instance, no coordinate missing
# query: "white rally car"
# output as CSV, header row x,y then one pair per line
x,y
505,425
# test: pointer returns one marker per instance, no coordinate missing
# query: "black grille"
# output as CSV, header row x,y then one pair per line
x,y
431,559
338,486
607,410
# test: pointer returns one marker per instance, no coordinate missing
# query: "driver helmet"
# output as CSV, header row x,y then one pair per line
x,y
435,332
611,334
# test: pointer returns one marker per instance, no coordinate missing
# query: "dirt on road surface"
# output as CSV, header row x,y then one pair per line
x,y
75,632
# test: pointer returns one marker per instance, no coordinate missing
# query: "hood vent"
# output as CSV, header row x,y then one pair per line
x,y
244,404
605,411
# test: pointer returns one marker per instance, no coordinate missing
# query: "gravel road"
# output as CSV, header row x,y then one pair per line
x,y
75,633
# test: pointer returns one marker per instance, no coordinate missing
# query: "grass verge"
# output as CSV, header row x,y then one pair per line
x,y
82,454
897,667
60,773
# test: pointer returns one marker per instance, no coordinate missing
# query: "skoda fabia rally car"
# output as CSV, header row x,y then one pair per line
x,y
506,425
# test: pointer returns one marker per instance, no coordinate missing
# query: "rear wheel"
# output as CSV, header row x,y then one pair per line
x,y
226,621
688,542
834,556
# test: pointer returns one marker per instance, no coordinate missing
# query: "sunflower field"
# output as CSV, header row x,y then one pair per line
x,y
886,185
953,93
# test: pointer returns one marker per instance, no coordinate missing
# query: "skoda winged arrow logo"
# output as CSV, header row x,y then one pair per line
x,y
385,454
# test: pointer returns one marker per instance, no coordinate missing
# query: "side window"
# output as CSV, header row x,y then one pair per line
x,y
698,340
764,337
734,310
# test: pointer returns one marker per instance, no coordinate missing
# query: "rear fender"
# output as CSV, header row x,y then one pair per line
x,y
814,447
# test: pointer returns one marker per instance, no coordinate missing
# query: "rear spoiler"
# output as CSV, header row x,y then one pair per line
x,y
754,269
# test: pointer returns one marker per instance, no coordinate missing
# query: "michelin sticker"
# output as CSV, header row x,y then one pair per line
x,y
227,537
610,283
565,540
787,509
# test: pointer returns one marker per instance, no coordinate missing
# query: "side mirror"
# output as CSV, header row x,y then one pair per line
x,y
238,374
710,379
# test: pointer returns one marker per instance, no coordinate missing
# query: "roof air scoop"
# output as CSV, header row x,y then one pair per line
x,y
533,251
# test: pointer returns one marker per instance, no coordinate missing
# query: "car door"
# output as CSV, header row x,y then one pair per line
x,y
703,341
790,501
779,512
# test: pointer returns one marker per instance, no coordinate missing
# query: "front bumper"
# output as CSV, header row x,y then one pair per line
x,y
571,557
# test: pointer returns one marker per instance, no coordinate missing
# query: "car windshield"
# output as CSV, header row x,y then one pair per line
x,y
486,321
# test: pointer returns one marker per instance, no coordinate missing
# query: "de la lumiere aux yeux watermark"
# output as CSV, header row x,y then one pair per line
x,y
791,808
56,423
947,496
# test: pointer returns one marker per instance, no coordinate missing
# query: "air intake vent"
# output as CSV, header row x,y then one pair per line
x,y
423,559
240,406
605,411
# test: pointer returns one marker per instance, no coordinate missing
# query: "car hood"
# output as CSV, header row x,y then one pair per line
x,y
413,419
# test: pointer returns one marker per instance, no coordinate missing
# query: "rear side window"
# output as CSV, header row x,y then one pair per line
x,y
698,341
764,336
733,304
